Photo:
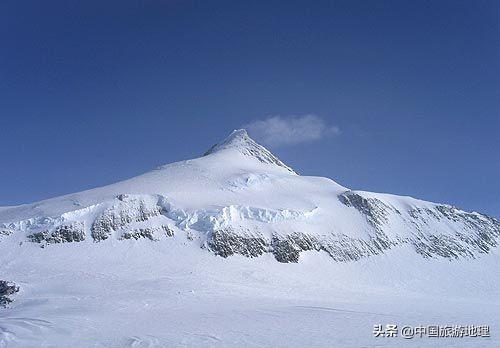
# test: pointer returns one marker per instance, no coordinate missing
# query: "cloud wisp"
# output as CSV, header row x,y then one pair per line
x,y
291,130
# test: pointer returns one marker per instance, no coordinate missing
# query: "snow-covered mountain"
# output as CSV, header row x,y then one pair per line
x,y
240,199
235,249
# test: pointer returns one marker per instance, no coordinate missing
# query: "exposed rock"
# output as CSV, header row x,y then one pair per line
x,y
226,242
475,221
441,245
67,233
148,232
423,214
122,197
288,248
374,210
130,209
140,233
285,250
189,235
5,232
344,248
168,231
7,289
479,233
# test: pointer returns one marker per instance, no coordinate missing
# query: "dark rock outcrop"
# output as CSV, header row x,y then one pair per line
x,y
288,248
121,214
479,233
7,289
5,232
374,210
68,233
148,232
225,242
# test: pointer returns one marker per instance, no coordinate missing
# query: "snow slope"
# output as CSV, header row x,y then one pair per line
x,y
236,249
239,198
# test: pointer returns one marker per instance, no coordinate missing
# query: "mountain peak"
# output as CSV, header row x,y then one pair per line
x,y
238,134
238,137
240,141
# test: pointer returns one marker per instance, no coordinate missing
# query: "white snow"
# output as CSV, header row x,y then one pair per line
x,y
176,293
166,294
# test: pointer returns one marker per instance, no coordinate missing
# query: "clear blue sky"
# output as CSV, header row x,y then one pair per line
x,y
92,92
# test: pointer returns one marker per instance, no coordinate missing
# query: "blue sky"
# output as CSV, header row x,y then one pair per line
x,y
392,96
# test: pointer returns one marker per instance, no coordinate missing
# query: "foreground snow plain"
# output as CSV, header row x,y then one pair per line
x,y
167,294
105,290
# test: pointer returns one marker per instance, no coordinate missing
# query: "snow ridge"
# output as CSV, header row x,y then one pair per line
x,y
240,141
440,231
